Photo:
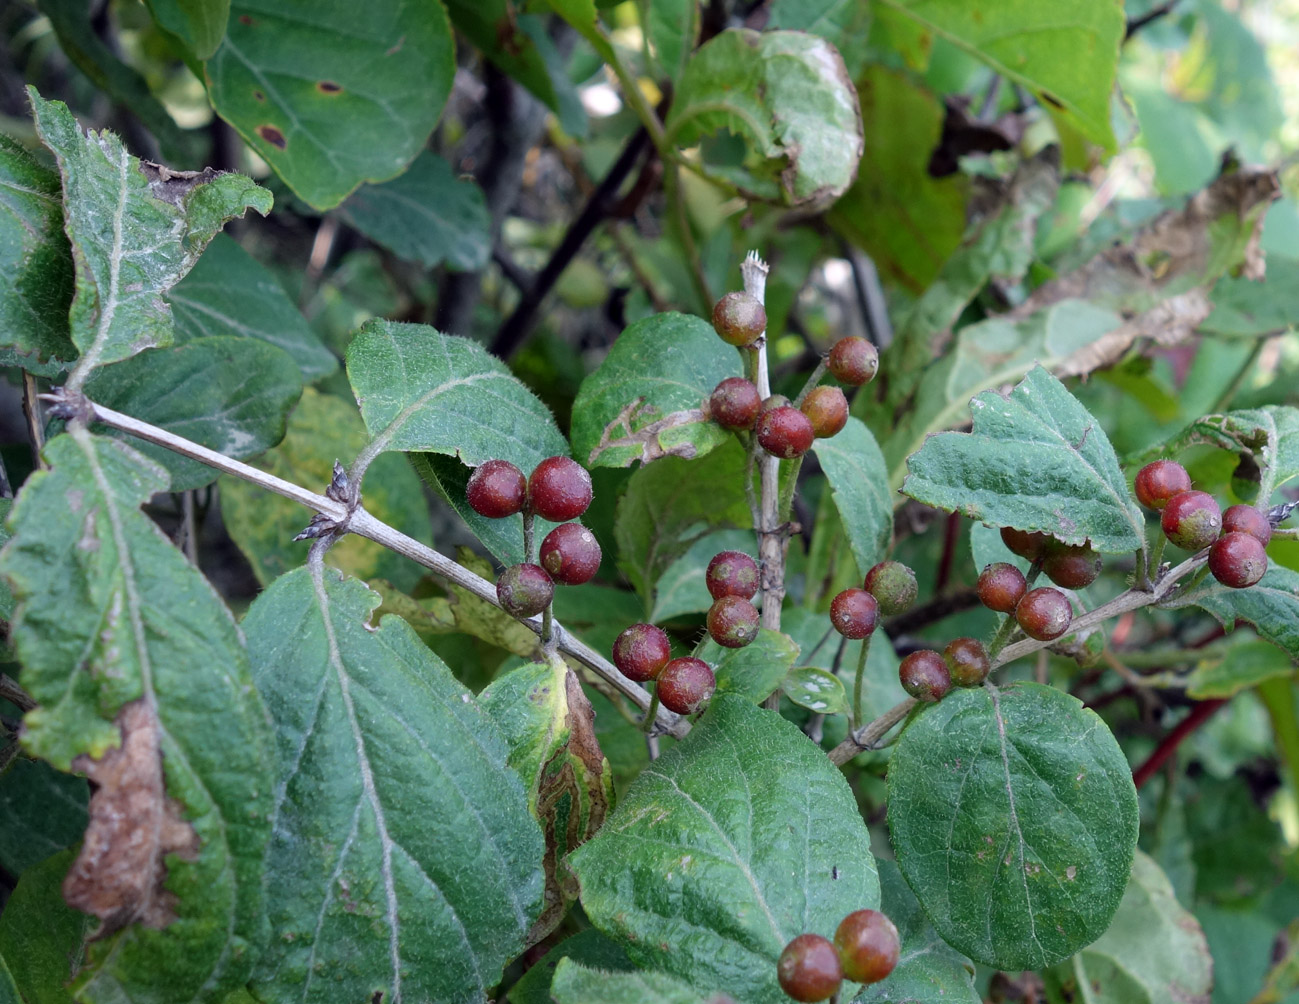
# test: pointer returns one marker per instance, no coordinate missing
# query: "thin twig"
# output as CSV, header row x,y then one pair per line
x,y
35,418
1137,23
1200,714
868,735
189,527
12,692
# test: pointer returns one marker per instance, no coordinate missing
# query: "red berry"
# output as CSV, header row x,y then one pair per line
x,y
731,573
772,403
733,621
1191,520
1025,543
924,675
641,652
1044,613
739,319
893,584
854,613
853,361
967,661
785,432
734,403
559,489
828,409
570,554
809,969
1001,586
1237,560
685,685
1158,482
1071,566
1247,519
868,946
496,489
524,590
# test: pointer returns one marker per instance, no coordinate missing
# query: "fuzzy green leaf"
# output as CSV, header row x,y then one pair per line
x,y
672,27
735,840
652,384
589,947
1238,668
1271,605
816,689
681,588
199,24
1035,460
1014,820
42,939
754,671
404,860
854,466
574,983
44,812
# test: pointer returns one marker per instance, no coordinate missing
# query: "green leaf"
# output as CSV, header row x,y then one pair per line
x,y
232,395
881,688
1247,308
1271,605
330,102
1238,668
44,812
122,641
35,260
929,971
672,26
404,860
229,292
1035,460
754,671
547,723
1153,952
8,992
789,96
135,231
42,939
576,984
817,690
1066,52
425,215
681,588
854,466
1014,820
731,843
643,401
589,947
199,24
1237,848
844,23
321,430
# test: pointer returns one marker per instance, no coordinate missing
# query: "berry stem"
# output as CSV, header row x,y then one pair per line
x,y
867,737
529,555
647,725
857,680
812,381
787,493
547,625
1156,557
1002,636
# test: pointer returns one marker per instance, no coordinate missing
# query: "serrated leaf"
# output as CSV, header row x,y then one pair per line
x,y
35,259
135,230
643,401
1014,821
816,689
42,939
1271,605
44,812
735,840
199,24
228,292
321,430
329,106
546,722
859,481
681,588
789,96
426,214
589,947
1035,460
404,859
754,671
574,983
1153,952
1238,668
232,395
112,618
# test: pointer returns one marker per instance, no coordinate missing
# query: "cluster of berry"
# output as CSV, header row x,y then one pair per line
x,y
865,950
559,489
643,653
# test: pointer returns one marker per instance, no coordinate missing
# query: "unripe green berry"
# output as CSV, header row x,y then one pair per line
x,y
809,969
734,404
853,361
731,573
1247,519
570,554
1237,560
559,489
1159,481
893,584
685,685
524,590
868,946
1071,566
1191,520
1001,586
785,432
828,409
732,621
924,675
854,613
1044,614
739,319
641,652
967,661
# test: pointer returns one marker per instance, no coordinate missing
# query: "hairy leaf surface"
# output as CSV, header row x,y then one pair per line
x,y
574,983
589,947
754,671
1271,605
42,939
44,812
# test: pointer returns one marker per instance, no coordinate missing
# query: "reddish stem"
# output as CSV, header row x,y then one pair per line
x,y
951,535
1200,714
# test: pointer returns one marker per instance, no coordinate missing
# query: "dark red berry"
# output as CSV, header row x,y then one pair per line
x,y
1237,560
524,590
641,652
1247,519
1001,586
731,573
809,969
496,489
1044,613
739,319
828,409
924,675
732,621
853,361
785,432
1071,566
1025,543
854,613
967,661
772,403
570,554
1158,482
685,685
868,946
893,584
559,489
734,403
1191,520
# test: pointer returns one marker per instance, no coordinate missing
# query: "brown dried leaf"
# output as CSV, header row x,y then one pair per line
x,y
647,436
120,873
1167,323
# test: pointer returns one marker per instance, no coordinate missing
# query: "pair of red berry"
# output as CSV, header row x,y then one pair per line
x,y
732,581
1044,613
865,950
559,489
928,675
643,653
890,588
